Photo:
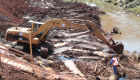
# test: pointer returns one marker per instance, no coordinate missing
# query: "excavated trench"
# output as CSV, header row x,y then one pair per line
x,y
77,53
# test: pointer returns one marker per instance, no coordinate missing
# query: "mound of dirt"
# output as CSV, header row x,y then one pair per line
x,y
11,12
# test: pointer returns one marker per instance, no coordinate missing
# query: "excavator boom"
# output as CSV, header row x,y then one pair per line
x,y
56,23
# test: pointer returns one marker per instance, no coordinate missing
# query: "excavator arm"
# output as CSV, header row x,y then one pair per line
x,y
44,28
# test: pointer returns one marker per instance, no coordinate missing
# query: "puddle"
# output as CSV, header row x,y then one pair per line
x,y
65,58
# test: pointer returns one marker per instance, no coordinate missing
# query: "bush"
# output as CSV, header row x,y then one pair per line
x,y
135,10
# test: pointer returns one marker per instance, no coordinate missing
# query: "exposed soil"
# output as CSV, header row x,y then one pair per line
x,y
8,72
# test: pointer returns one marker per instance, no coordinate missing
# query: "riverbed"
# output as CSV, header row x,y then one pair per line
x,y
129,25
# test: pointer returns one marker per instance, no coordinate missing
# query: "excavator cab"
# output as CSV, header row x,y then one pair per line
x,y
35,25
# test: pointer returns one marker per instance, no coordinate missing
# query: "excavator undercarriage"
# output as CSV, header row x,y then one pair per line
x,y
39,31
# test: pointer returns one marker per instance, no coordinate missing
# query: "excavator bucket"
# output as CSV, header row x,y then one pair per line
x,y
118,48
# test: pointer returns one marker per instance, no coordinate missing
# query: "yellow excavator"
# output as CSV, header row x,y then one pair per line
x,y
38,33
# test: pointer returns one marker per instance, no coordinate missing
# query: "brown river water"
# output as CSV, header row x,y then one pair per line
x,y
129,25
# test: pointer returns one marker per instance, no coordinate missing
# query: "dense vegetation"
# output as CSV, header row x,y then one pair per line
x,y
132,6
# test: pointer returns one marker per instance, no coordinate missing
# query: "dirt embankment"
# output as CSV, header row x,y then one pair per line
x,y
8,72
11,12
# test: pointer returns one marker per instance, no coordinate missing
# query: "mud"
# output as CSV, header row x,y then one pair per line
x,y
8,72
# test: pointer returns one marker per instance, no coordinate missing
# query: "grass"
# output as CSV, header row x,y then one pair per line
x,y
135,10
132,6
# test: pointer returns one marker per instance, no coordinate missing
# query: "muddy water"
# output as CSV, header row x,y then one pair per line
x,y
129,25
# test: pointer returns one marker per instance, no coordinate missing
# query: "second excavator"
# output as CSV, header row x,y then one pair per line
x,y
38,33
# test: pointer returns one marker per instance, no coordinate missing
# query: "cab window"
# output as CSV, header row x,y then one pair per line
x,y
36,26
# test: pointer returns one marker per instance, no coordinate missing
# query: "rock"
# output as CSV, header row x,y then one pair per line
x,y
115,30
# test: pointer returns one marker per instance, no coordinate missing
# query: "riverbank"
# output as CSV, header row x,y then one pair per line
x,y
130,6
